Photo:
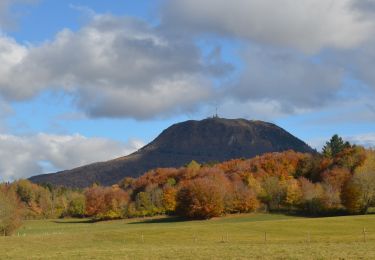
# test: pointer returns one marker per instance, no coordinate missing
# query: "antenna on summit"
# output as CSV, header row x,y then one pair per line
x,y
216,115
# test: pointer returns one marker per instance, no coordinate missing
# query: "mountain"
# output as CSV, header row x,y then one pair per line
x,y
210,140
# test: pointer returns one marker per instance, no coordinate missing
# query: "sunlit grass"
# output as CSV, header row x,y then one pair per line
x,y
241,237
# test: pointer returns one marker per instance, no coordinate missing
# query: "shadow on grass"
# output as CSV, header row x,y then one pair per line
x,y
160,220
134,220
83,221
307,214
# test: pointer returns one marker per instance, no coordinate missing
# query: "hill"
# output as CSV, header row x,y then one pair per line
x,y
209,140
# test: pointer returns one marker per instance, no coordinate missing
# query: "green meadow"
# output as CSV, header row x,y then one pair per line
x,y
253,236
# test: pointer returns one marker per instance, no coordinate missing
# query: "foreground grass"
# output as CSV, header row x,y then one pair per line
x,y
234,237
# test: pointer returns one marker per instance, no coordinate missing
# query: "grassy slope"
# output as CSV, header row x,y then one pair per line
x,y
332,238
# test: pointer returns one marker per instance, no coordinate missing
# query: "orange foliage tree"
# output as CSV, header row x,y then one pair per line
x,y
10,211
201,198
106,203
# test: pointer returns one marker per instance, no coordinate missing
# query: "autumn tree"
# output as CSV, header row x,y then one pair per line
x,y
273,192
76,206
115,200
10,212
38,200
201,198
311,200
333,182
106,203
169,199
293,194
350,158
242,199
25,191
94,200
156,197
359,193
254,184
143,203
191,170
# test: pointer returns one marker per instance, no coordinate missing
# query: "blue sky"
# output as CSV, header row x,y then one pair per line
x,y
85,81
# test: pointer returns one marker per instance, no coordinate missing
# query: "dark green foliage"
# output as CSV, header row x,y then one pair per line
x,y
334,146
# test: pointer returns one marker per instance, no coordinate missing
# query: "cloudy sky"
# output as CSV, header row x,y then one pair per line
x,y
89,80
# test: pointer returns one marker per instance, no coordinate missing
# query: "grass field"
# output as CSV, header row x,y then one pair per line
x,y
234,237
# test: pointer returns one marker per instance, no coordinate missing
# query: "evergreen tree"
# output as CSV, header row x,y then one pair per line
x,y
335,146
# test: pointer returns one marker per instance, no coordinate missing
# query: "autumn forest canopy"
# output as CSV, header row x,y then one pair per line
x,y
339,180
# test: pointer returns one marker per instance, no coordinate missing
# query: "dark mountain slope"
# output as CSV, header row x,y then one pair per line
x,y
213,139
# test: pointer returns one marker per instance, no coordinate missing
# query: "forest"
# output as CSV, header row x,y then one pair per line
x,y
339,180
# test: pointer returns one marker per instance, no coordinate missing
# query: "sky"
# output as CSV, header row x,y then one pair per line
x,y
84,81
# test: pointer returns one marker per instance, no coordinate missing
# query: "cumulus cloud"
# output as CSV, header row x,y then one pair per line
x,y
359,62
251,109
42,153
5,112
365,5
125,67
296,54
116,67
294,81
308,25
367,140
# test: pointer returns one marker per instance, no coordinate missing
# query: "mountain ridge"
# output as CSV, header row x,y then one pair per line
x,y
212,139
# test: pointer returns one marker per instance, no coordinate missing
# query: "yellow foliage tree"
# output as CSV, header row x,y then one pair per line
x,y
359,192
169,199
293,193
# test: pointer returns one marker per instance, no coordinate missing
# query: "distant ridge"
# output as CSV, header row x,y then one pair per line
x,y
208,140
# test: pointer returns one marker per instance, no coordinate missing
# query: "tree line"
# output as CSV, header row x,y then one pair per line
x,y
339,180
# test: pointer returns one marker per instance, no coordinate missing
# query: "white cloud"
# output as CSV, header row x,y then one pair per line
x,y
294,81
24,156
367,140
358,62
116,67
289,48
124,67
257,110
12,54
308,25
